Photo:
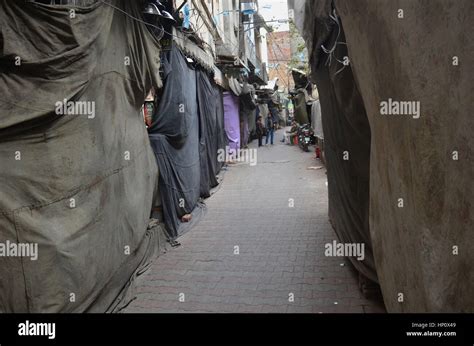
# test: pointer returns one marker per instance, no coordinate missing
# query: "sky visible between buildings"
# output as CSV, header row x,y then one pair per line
x,y
275,10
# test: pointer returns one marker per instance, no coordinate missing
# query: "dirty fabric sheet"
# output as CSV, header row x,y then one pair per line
x,y
79,184
174,136
212,133
412,156
409,157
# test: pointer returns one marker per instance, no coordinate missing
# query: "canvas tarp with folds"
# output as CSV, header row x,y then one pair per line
x,y
186,134
301,111
247,106
316,119
346,133
82,187
212,134
174,137
409,59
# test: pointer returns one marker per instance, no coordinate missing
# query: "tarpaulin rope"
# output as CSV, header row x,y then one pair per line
x,y
330,52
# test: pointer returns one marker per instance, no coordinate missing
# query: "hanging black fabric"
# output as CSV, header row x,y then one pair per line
x,y
247,109
211,131
222,140
175,139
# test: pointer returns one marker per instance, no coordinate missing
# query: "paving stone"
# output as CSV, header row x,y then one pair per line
x,y
281,248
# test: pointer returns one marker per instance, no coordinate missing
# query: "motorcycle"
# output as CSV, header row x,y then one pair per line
x,y
305,137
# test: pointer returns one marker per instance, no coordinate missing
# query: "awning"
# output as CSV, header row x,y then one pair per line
x,y
189,48
202,57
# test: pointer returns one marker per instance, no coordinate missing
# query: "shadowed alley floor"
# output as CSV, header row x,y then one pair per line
x,y
280,248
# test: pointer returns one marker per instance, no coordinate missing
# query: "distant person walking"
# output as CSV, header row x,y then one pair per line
x,y
270,129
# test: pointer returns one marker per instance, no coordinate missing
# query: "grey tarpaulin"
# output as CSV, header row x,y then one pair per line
x,y
247,112
301,111
346,130
316,120
212,135
408,59
413,158
84,187
186,135
174,136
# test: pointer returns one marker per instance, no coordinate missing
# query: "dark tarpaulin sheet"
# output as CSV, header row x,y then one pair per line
x,y
212,134
301,111
248,108
222,140
413,158
244,129
252,122
346,129
409,158
175,138
73,192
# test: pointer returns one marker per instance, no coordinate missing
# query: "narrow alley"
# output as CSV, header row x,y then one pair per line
x,y
246,171
280,248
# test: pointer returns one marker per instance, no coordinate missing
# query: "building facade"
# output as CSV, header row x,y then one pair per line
x,y
279,56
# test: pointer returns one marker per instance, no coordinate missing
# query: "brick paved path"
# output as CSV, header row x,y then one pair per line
x,y
281,249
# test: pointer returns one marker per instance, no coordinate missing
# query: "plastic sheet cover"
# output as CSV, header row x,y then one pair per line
x,y
186,134
78,181
401,156
423,157
346,131
212,135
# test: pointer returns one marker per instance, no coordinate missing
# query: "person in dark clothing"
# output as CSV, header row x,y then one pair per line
x,y
273,109
270,129
259,130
